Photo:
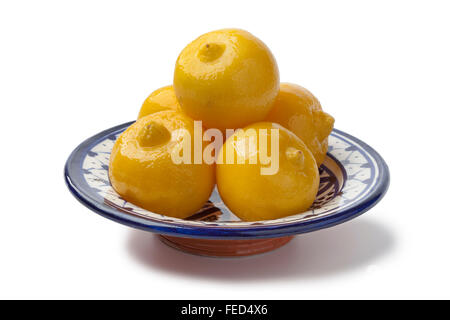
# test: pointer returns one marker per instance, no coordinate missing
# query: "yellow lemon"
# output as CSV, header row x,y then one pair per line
x,y
254,194
143,172
298,110
226,78
159,100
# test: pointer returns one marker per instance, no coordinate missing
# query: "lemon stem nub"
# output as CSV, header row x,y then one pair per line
x,y
152,134
211,51
295,155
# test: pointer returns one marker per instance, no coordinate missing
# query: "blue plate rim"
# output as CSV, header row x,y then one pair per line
x,y
75,183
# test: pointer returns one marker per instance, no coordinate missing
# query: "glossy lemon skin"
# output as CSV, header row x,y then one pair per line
x,y
253,197
159,100
298,110
226,78
143,173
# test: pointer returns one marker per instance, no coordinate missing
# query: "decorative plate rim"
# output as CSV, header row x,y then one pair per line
x,y
75,181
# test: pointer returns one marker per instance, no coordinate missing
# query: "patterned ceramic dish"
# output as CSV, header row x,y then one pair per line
x,y
353,179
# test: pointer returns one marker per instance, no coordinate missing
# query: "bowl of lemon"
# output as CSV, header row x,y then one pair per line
x,y
227,161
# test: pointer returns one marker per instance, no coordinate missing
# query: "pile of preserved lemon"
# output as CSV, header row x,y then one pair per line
x,y
227,79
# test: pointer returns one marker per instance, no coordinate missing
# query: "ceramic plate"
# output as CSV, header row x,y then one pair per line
x,y
353,178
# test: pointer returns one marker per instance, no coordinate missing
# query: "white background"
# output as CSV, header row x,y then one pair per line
x,y
69,69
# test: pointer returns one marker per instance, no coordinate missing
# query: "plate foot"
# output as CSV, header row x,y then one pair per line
x,y
224,248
